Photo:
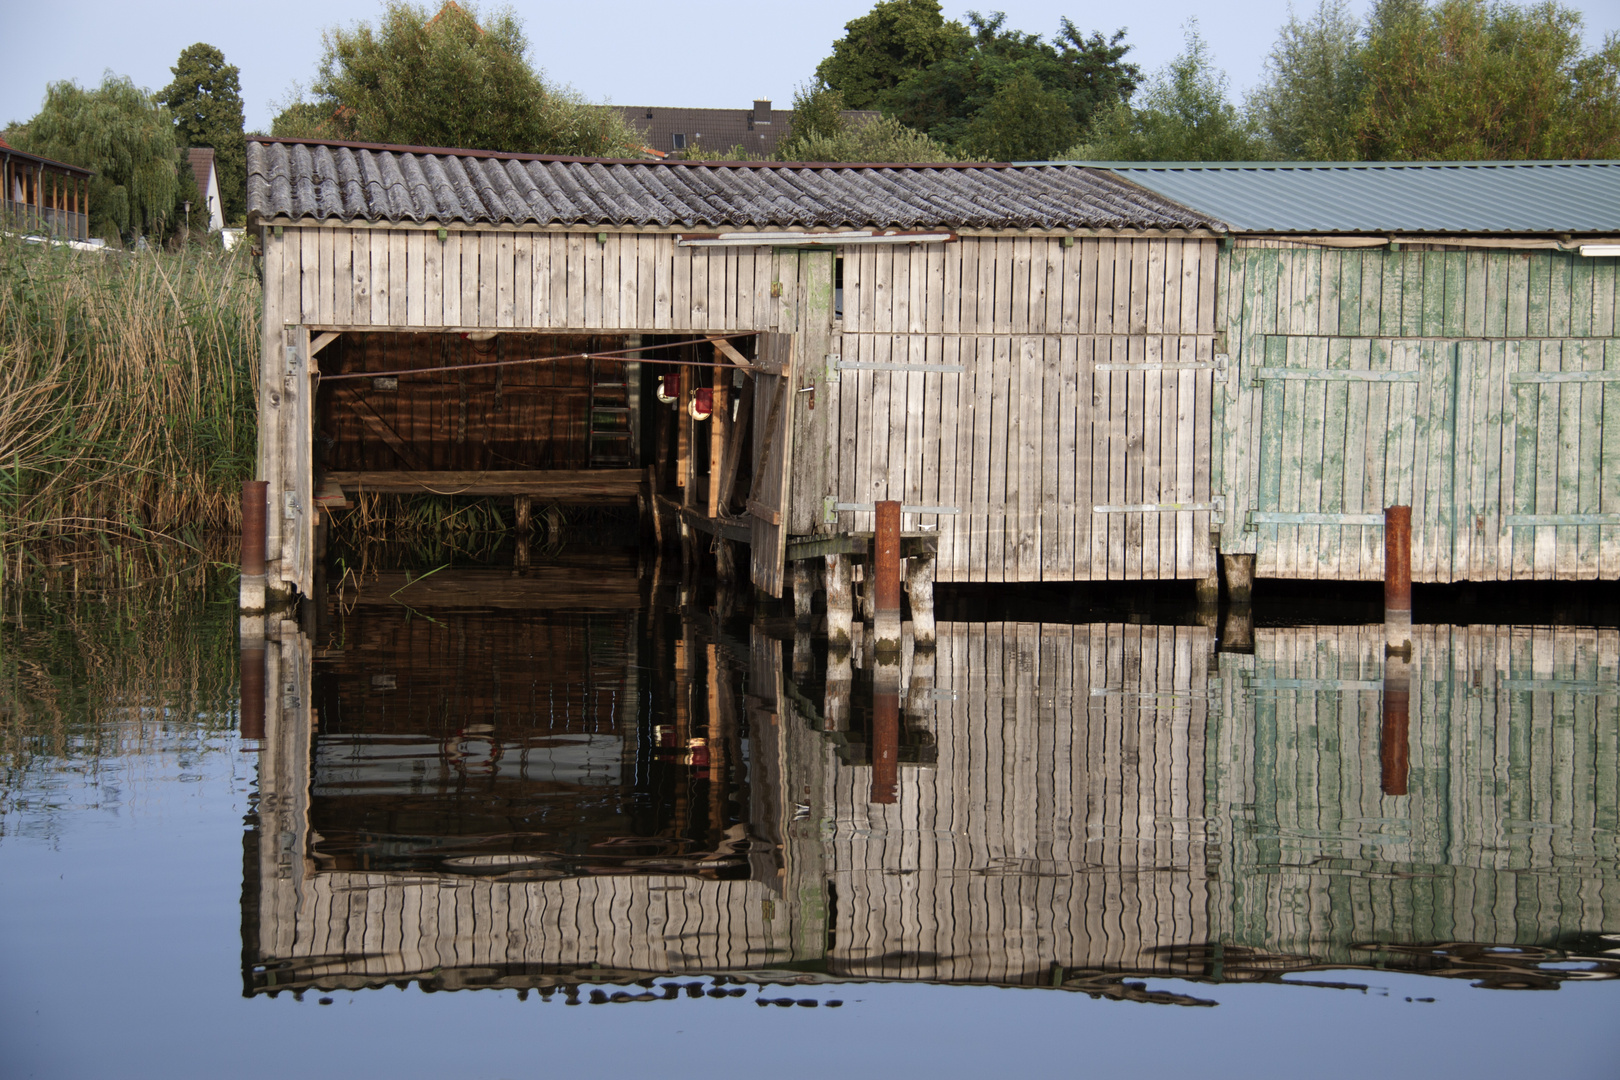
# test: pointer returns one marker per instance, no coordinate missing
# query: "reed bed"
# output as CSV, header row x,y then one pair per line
x,y
127,398
94,675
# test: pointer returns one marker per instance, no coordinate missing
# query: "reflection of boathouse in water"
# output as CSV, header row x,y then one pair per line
x,y
1036,805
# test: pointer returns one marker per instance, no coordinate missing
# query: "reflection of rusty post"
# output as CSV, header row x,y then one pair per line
x,y
255,496
885,731
1398,577
252,683
1394,753
886,578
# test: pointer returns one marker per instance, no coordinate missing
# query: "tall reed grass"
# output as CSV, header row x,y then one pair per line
x,y
127,400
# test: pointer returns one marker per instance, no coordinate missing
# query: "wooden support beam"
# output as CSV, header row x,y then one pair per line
x,y
726,528
556,485
729,351
719,429
378,426
322,342
735,441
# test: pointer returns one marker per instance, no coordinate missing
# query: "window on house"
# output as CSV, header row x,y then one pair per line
x,y
679,141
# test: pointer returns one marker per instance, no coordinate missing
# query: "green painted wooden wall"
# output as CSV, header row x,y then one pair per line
x,y
1506,834
1479,386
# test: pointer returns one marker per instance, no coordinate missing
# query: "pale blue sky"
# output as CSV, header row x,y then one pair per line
x,y
631,52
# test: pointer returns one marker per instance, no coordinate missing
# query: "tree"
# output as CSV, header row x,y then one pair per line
x,y
1184,115
1309,103
895,39
446,80
984,89
206,99
1464,80
127,137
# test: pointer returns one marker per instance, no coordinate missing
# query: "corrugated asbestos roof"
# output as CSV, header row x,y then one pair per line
x,y
350,181
1388,197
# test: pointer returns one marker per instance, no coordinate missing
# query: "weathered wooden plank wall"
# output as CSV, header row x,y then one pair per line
x,y
1088,362
1481,387
1514,765
1087,382
1058,825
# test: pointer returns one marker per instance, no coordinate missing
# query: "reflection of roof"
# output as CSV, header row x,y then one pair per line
x,y
348,181
1495,197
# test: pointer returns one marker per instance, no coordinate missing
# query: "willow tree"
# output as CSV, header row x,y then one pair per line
x,y
448,80
126,137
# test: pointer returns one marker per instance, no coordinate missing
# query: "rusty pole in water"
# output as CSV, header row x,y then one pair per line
x,y
886,578
255,497
1394,750
885,732
1398,578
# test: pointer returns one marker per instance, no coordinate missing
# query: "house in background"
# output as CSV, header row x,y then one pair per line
x,y
716,131
201,160
38,193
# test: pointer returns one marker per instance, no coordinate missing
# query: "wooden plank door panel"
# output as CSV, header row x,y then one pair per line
x,y
773,442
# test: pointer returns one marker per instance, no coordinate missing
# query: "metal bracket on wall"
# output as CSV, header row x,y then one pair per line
x,y
1216,508
836,364
1218,365
1274,517
831,508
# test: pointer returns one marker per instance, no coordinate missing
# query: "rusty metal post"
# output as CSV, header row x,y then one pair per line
x,y
885,731
1398,579
1394,752
886,578
252,679
255,500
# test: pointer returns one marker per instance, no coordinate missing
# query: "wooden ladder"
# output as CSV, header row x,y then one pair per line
x,y
611,417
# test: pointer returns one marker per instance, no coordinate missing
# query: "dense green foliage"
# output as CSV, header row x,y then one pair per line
x,y
822,133
446,80
1182,115
1467,80
1308,107
126,391
983,89
206,100
127,137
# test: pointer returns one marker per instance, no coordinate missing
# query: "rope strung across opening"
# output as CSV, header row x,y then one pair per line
x,y
603,354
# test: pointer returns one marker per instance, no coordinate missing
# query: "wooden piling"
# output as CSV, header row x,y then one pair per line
x,y
804,590
255,499
1398,579
920,591
1394,745
840,603
1239,577
886,728
886,577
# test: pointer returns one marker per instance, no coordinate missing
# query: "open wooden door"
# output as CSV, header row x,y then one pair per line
x,y
773,446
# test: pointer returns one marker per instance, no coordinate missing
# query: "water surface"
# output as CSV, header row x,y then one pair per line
x,y
631,834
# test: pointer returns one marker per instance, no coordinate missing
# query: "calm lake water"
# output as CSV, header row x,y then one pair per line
x,y
487,825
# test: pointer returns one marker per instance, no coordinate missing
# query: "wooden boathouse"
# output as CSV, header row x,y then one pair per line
x,y
1024,357
1438,335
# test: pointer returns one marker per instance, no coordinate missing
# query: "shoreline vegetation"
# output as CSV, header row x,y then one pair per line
x,y
127,391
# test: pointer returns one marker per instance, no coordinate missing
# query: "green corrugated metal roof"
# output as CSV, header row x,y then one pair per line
x,y
1484,197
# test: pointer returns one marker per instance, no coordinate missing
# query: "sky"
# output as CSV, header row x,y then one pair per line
x,y
627,52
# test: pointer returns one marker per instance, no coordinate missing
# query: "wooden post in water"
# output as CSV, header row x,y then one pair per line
x,y
255,499
920,590
886,728
1398,579
804,590
840,604
1394,752
1239,577
886,578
